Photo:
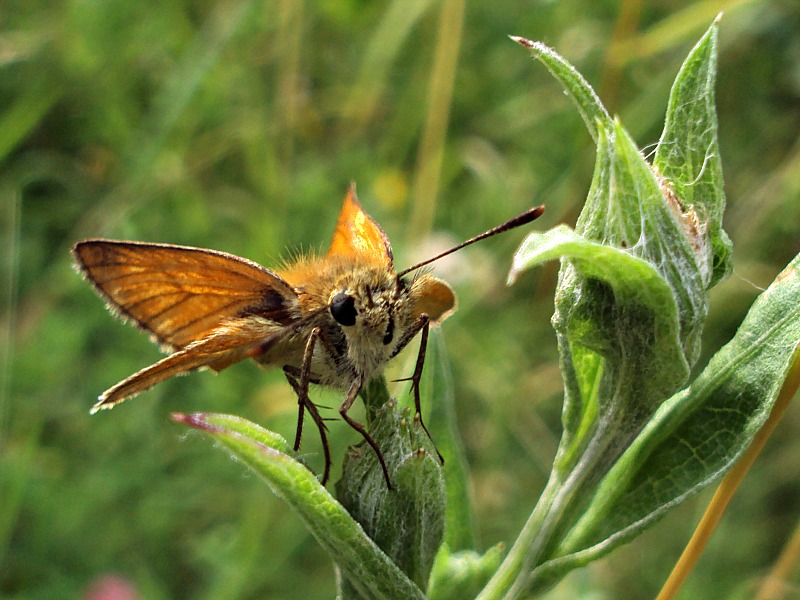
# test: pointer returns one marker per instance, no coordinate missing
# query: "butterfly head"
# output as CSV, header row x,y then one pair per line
x,y
374,308
367,306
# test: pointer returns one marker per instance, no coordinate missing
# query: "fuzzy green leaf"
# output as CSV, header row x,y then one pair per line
x,y
631,301
364,564
633,281
630,304
696,436
622,353
589,106
627,207
688,157
407,522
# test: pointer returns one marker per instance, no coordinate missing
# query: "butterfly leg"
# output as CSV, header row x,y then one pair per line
x,y
304,402
421,324
293,377
352,394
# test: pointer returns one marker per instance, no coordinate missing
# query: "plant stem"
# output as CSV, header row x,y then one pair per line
x,y
509,581
508,573
728,487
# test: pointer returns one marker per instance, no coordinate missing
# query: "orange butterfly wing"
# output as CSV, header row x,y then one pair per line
x,y
182,294
224,346
357,235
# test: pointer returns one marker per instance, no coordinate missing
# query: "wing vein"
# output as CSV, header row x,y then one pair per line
x,y
200,318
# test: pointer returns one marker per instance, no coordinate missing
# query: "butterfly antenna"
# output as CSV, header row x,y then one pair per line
x,y
523,219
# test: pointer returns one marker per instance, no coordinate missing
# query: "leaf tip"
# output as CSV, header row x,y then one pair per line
x,y
523,41
513,273
195,420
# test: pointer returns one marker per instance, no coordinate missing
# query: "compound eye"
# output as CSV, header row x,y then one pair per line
x,y
343,309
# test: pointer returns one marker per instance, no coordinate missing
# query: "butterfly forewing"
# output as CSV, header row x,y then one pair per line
x,y
181,294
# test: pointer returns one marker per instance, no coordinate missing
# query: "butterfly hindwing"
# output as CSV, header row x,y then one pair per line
x,y
224,346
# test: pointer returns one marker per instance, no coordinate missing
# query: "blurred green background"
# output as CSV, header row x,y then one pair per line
x,y
237,125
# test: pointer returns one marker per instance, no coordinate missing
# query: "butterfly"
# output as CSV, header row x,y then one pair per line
x,y
334,320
